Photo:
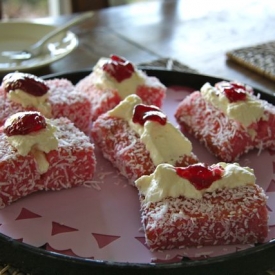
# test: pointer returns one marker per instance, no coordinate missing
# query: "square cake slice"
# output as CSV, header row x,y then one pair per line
x,y
42,154
228,119
136,137
202,205
115,78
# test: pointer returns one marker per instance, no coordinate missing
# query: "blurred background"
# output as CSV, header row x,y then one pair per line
x,y
42,8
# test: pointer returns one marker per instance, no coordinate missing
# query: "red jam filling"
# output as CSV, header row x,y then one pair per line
x,y
142,113
234,92
119,68
200,175
25,123
28,83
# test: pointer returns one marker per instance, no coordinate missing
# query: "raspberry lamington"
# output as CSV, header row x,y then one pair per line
x,y
113,79
53,98
202,205
136,137
228,119
42,154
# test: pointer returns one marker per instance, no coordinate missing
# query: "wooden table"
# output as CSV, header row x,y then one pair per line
x,y
191,31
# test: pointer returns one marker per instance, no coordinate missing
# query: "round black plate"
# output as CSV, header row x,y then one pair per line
x,y
34,260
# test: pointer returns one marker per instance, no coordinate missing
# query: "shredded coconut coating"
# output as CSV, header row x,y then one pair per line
x,y
225,138
72,164
65,101
151,93
122,146
101,100
226,216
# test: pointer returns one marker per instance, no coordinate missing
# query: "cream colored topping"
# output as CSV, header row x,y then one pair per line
x,y
36,143
43,140
165,182
125,87
125,108
40,158
246,112
165,142
156,137
40,103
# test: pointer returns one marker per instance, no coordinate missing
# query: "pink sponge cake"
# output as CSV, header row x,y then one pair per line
x,y
53,98
113,79
136,137
202,205
42,154
228,119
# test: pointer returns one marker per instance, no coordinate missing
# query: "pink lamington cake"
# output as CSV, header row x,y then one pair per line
x,y
42,154
136,137
202,205
54,98
228,119
113,79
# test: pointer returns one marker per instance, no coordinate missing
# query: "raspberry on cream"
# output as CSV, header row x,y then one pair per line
x,y
156,136
27,90
30,132
115,73
166,182
246,110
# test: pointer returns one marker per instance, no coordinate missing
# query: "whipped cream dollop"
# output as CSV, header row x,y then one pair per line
x,y
245,111
156,137
27,90
164,182
37,143
40,103
104,80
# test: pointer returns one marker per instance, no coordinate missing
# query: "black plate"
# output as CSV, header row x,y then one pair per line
x,y
255,260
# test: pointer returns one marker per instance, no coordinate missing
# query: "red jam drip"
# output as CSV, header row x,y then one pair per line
x,y
119,68
235,92
142,113
28,83
25,123
200,175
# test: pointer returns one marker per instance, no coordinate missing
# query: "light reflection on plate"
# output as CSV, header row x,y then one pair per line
x,y
19,35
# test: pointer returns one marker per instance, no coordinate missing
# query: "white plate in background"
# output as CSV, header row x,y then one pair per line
x,y
19,35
